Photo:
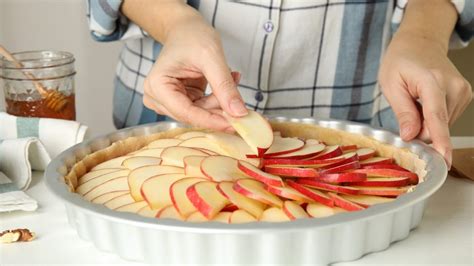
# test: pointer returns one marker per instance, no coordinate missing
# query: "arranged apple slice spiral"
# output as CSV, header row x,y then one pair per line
x,y
255,175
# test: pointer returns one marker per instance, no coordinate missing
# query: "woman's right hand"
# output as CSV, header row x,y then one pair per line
x,y
191,57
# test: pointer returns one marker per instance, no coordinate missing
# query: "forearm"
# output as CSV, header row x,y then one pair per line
x,y
157,18
433,20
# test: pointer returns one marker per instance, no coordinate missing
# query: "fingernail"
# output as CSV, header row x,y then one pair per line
x,y
448,157
237,107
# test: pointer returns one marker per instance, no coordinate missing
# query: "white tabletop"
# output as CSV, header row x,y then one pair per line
x,y
445,236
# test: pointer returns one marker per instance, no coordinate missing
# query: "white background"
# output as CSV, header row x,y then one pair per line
x,y
62,25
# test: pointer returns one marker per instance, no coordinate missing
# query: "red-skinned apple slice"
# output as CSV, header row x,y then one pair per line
x,y
344,203
384,166
116,184
119,201
382,191
329,152
293,210
256,190
202,143
132,207
376,160
327,187
192,166
206,198
163,143
93,174
367,200
149,152
318,210
347,148
233,146
92,183
288,193
340,168
340,160
139,175
291,171
222,217
389,173
113,163
108,196
155,190
230,207
174,155
139,161
250,205
281,146
313,194
275,215
241,216
178,195
342,177
259,175
190,134
384,182
308,150
314,163
254,129
221,168
170,212
365,153
148,212
196,217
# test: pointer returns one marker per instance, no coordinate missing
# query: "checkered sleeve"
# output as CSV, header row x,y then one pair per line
x,y
106,23
464,30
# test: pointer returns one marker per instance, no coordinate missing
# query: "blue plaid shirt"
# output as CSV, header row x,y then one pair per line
x,y
297,58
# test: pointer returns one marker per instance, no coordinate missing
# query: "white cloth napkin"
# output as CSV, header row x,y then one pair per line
x,y
28,144
12,199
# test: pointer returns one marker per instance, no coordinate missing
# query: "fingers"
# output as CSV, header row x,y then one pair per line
x,y
223,86
435,112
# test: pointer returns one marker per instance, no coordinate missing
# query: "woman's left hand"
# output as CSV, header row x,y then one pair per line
x,y
424,88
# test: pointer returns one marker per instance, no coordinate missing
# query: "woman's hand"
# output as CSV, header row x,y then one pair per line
x,y
192,56
424,88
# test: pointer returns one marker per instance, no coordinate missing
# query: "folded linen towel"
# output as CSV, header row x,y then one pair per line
x,y
12,199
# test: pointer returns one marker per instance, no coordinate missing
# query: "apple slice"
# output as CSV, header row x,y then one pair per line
x,y
155,190
139,175
342,178
382,191
241,216
174,155
119,201
318,210
344,203
93,174
340,168
163,143
274,215
365,153
259,175
192,166
384,182
384,166
291,171
148,212
148,152
230,207
281,146
222,217
252,206
256,190
196,217
206,198
116,184
178,195
92,183
254,129
293,210
108,196
376,160
348,148
389,173
340,160
139,161
202,143
190,134
221,168
313,194
169,212
329,152
113,163
328,187
132,207
314,163
366,200
233,146
288,193
308,150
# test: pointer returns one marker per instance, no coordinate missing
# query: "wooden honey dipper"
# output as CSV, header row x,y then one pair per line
x,y
54,99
